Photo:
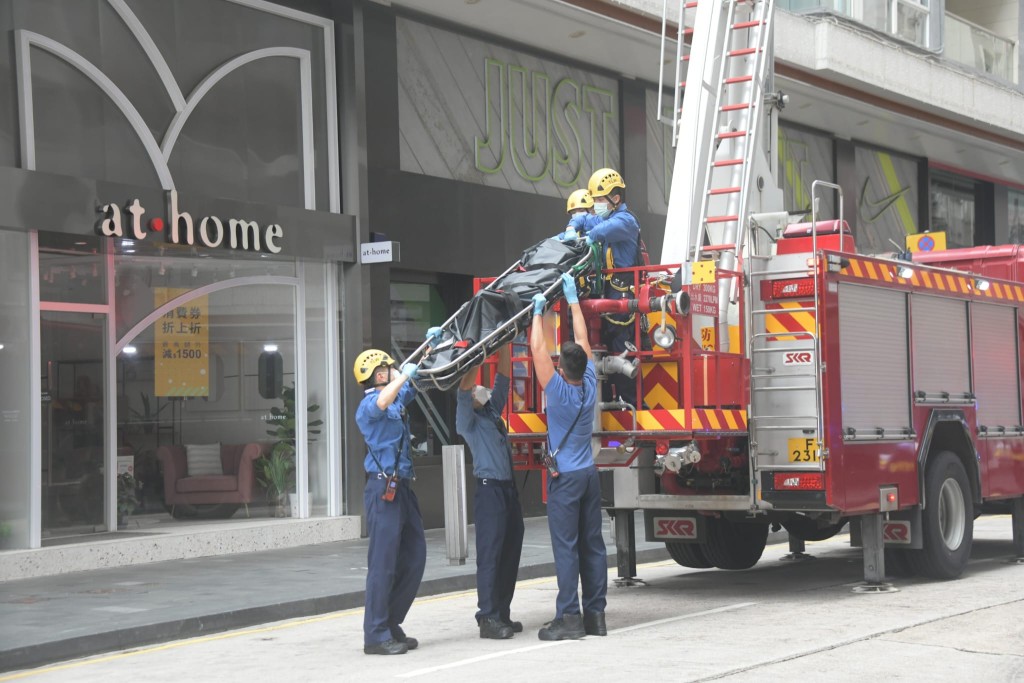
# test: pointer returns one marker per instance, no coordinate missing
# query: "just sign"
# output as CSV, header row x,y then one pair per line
x,y
182,228
543,130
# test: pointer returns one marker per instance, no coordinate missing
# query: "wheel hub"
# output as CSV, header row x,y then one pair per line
x,y
951,514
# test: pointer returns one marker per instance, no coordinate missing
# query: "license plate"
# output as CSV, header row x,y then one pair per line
x,y
803,450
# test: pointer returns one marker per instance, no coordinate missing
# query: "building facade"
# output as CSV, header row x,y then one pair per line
x,y
184,189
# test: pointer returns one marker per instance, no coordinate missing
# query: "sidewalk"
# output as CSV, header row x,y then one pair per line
x,y
60,617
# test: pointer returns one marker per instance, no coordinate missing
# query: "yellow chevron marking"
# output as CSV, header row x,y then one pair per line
x,y
926,279
660,397
965,286
711,418
610,424
772,325
939,284
886,273
671,368
999,290
730,419
855,266
951,281
534,422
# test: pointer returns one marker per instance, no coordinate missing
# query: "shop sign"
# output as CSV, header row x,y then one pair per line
x,y
379,252
182,346
182,228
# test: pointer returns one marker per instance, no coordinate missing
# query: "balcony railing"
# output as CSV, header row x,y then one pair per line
x,y
976,47
908,20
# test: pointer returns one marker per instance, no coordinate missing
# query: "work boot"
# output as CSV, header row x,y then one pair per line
x,y
517,626
388,647
400,636
569,627
593,624
494,629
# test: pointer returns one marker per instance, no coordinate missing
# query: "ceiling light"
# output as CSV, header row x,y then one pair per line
x,y
130,350
270,348
1,347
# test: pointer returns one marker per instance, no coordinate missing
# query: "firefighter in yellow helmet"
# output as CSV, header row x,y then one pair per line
x,y
398,549
580,207
617,230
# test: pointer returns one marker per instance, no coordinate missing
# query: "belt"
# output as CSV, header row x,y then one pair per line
x,y
378,475
504,483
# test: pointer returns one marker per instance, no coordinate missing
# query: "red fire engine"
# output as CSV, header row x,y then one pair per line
x,y
784,378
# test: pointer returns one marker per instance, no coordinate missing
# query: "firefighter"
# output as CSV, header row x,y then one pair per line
x,y
398,550
580,204
574,495
617,230
498,514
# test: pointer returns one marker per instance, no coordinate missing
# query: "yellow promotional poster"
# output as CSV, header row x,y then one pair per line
x,y
181,346
927,241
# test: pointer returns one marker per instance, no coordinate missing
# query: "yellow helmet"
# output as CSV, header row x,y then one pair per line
x,y
368,361
580,199
604,181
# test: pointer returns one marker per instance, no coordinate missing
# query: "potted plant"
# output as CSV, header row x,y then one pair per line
x,y
277,471
127,501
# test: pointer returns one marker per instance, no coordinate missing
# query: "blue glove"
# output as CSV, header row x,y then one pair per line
x,y
589,240
579,222
569,234
410,370
539,302
569,289
434,335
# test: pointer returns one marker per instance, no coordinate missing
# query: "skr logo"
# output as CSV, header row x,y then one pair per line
x,y
797,358
897,532
675,527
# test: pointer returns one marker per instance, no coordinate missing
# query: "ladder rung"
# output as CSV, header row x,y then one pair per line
x,y
727,162
785,428
780,272
721,219
719,247
746,24
789,348
724,190
783,417
800,335
741,52
731,134
783,388
799,374
769,311
690,5
735,107
738,79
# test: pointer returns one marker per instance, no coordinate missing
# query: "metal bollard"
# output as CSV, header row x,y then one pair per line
x,y
456,534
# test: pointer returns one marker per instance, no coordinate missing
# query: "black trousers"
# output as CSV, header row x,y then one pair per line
x,y
499,544
615,338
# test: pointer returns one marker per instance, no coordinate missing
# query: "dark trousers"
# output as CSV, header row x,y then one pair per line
x,y
397,556
499,544
614,337
574,520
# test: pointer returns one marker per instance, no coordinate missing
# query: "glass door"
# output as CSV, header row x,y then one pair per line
x,y
73,423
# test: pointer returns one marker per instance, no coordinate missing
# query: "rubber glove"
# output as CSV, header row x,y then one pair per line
x,y
589,240
579,222
539,302
569,234
410,370
569,289
434,335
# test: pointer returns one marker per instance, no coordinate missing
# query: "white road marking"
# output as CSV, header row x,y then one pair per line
x,y
541,646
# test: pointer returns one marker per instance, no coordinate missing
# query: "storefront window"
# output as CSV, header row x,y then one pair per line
x,y
953,207
1016,216
803,158
887,199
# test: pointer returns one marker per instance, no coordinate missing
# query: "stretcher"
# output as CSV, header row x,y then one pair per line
x,y
501,311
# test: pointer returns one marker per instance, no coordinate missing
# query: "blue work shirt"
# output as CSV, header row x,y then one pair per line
x,y
620,233
563,401
385,432
480,428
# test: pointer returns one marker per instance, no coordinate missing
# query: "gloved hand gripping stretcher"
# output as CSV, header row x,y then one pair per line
x,y
501,311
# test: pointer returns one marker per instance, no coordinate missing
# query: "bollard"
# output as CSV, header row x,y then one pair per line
x,y
453,473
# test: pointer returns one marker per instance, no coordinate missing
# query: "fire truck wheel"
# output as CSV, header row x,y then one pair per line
x,y
807,529
687,554
733,545
898,563
947,521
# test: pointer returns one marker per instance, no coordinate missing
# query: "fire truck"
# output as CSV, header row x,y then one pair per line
x,y
783,378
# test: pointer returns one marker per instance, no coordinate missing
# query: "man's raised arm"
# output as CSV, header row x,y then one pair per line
x,y
579,324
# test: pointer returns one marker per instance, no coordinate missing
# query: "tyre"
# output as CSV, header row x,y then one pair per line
x,y
687,554
807,529
947,521
734,545
898,563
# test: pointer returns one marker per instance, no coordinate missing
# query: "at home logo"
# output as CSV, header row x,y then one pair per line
x,y
209,231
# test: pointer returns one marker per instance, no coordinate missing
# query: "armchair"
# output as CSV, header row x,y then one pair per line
x,y
225,492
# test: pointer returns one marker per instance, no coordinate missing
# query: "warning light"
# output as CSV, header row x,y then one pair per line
x,y
799,481
980,284
661,447
890,498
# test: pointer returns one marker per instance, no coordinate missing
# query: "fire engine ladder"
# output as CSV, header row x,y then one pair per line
x,y
789,402
727,68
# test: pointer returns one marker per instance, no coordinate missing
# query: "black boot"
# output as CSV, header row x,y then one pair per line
x,y
388,647
494,629
593,624
517,626
569,627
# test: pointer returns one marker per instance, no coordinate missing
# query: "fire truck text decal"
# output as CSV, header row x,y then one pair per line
x,y
675,527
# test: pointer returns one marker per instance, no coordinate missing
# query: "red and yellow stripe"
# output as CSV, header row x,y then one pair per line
x,y
939,281
701,420
788,320
661,383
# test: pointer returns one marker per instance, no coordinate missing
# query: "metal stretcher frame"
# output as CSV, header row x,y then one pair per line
x,y
446,376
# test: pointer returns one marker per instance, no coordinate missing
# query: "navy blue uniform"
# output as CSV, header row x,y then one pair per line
x,y
496,507
574,498
398,548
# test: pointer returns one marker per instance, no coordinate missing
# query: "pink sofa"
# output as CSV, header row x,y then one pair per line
x,y
229,490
